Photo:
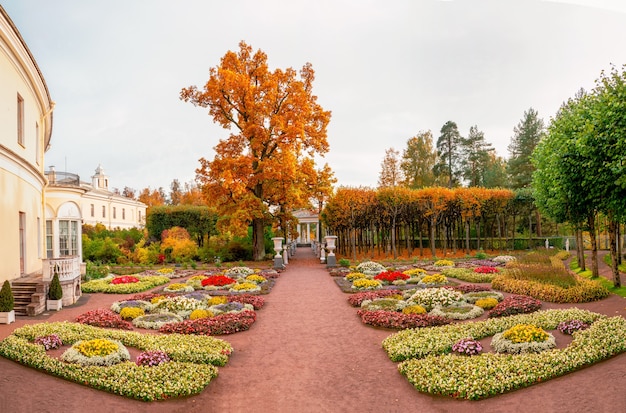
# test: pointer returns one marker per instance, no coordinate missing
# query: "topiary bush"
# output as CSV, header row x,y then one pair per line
x,y
56,291
6,298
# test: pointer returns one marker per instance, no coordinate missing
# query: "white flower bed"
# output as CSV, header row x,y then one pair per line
x,y
370,268
458,312
72,355
430,297
503,345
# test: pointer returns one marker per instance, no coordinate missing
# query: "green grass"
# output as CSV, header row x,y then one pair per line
x,y
621,291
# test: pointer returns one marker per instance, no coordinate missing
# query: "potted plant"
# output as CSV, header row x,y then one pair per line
x,y
7,313
55,294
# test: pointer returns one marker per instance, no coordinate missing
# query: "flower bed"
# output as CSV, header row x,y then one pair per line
x,y
217,281
117,306
192,367
486,270
370,268
236,272
362,284
410,344
104,318
387,277
457,312
472,297
105,285
244,287
183,306
515,304
156,321
178,288
385,303
583,291
125,279
465,274
430,297
355,300
523,338
434,279
96,352
227,323
490,374
395,320
254,300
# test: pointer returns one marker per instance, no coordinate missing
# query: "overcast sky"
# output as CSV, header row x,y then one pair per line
x,y
386,69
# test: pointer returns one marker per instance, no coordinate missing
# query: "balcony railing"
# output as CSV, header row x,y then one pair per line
x,y
62,178
68,268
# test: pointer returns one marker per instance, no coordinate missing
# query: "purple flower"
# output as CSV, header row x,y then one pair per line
x,y
467,347
152,358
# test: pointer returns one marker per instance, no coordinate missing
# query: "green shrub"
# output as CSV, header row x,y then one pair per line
x,y
6,298
56,291
344,262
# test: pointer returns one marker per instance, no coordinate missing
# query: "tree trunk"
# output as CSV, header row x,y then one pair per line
x,y
594,245
258,241
614,254
432,239
580,249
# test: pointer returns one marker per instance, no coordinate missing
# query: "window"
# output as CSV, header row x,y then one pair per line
x,y
104,211
49,238
139,216
20,120
68,238
123,213
93,210
114,213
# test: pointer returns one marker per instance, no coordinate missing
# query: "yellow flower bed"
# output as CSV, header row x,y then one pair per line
x,y
96,348
444,263
166,270
435,279
414,309
355,276
414,271
525,333
200,313
130,313
486,303
220,299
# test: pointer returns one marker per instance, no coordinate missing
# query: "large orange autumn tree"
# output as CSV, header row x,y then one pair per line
x,y
276,126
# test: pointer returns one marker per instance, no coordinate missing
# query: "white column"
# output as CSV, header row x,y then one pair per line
x,y
308,232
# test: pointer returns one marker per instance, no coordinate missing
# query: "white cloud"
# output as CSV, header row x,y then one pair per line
x,y
385,70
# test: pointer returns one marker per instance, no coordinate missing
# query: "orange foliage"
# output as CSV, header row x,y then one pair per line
x,y
277,127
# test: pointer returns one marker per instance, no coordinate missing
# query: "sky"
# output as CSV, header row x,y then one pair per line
x,y
386,69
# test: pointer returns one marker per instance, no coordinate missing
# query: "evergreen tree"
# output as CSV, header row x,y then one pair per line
x,y
527,135
475,152
449,154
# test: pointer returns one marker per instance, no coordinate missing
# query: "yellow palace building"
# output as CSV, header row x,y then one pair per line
x,y
42,212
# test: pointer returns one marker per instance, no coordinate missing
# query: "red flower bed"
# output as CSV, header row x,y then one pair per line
x,y
392,319
391,276
486,270
125,279
218,281
256,301
355,300
515,304
102,317
227,323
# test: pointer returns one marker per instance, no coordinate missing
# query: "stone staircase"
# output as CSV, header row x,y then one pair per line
x,y
29,295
